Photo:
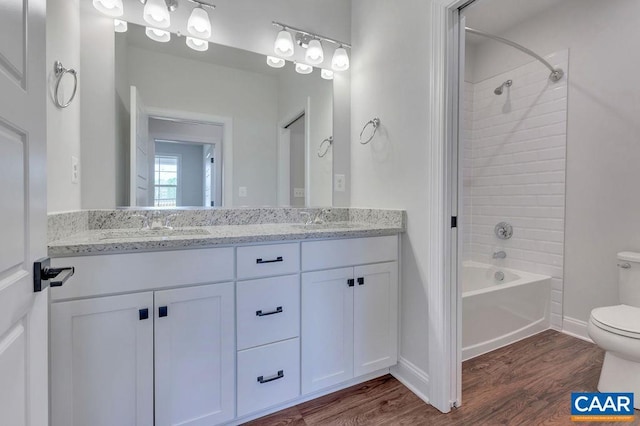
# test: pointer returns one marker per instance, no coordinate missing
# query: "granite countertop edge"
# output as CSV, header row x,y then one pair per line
x,y
89,242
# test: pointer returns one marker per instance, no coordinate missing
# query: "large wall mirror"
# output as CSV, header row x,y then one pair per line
x,y
220,127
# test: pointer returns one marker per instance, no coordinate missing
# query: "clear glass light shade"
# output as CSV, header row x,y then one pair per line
x,y
158,35
274,62
303,68
111,8
156,14
340,60
314,54
197,44
120,26
199,24
284,44
326,74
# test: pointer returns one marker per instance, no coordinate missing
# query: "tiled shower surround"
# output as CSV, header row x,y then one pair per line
x,y
513,160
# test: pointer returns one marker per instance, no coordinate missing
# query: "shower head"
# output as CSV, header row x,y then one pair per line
x,y
500,88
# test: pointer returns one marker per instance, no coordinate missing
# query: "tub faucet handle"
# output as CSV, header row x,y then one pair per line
x,y
499,255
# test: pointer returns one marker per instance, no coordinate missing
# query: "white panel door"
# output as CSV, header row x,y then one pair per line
x,y
195,355
102,361
327,328
375,317
140,152
23,313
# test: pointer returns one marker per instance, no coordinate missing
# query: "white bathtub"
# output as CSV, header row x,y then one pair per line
x,y
497,313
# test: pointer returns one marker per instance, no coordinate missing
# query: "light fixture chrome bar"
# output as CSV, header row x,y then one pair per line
x,y
556,73
201,3
318,36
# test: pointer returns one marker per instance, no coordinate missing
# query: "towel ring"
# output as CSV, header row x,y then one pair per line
x,y
60,71
375,122
322,152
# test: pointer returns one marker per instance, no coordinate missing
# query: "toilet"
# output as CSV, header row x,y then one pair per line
x,y
616,329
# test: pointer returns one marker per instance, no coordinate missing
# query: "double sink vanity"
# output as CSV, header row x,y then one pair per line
x,y
229,315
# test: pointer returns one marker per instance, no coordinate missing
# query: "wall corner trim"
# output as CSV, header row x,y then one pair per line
x,y
576,328
413,378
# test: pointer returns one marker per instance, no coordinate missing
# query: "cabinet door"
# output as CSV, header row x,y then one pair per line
x,y
375,313
195,355
327,328
102,361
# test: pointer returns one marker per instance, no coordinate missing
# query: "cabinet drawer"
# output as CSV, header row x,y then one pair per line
x,y
268,375
272,259
348,252
268,310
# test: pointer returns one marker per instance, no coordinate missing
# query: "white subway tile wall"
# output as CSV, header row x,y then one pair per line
x,y
513,162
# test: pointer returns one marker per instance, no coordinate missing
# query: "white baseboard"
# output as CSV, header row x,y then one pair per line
x,y
576,328
412,377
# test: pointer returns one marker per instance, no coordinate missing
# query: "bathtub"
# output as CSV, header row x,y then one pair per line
x,y
497,312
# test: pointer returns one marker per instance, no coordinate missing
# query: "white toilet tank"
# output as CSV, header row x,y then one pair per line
x,y
629,278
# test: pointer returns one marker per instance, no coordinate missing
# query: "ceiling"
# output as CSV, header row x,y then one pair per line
x,y
498,16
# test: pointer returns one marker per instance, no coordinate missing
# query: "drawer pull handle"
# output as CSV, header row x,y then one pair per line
x,y
277,259
264,314
280,375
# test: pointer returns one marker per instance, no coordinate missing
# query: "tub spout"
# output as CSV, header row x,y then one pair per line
x,y
499,255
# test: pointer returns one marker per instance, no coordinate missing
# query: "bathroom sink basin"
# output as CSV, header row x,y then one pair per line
x,y
117,234
328,225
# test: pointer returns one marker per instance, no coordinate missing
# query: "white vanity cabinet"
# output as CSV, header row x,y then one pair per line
x,y
113,356
349,315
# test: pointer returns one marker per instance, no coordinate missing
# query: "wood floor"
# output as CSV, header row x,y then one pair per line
x,y
527,383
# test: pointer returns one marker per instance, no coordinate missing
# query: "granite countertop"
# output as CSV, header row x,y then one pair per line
x,y
110,232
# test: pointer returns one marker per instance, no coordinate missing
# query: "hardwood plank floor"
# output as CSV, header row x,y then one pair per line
x,y
526,383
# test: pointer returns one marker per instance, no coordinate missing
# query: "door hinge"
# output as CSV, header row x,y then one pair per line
x,y
454,221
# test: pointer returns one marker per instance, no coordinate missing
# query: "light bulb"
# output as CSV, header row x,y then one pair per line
x,y
274,62
199,24
111,8
157,14
314,54
340,61
158,35
197,44
326,74
303,68
120,26
284,44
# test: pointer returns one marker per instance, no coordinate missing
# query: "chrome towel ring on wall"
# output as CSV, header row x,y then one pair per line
x,y
60,71
376,123
324,146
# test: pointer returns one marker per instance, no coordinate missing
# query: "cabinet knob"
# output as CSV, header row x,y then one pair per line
x,y
162,311
351,282
361,281
144,314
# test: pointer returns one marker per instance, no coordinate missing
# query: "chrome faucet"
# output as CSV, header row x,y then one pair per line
x,y
499,254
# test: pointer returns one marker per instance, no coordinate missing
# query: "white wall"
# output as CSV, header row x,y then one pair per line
x,y
293,91
63,125
514,171
390,80
603,152
250,99
100,162
191,178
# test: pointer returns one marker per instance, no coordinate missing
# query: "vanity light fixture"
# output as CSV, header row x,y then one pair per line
x,y
340,60
156,13
284,44
197,44
303,68
111,8
120,26
314,54
326,74
199,24
156,34
274,62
